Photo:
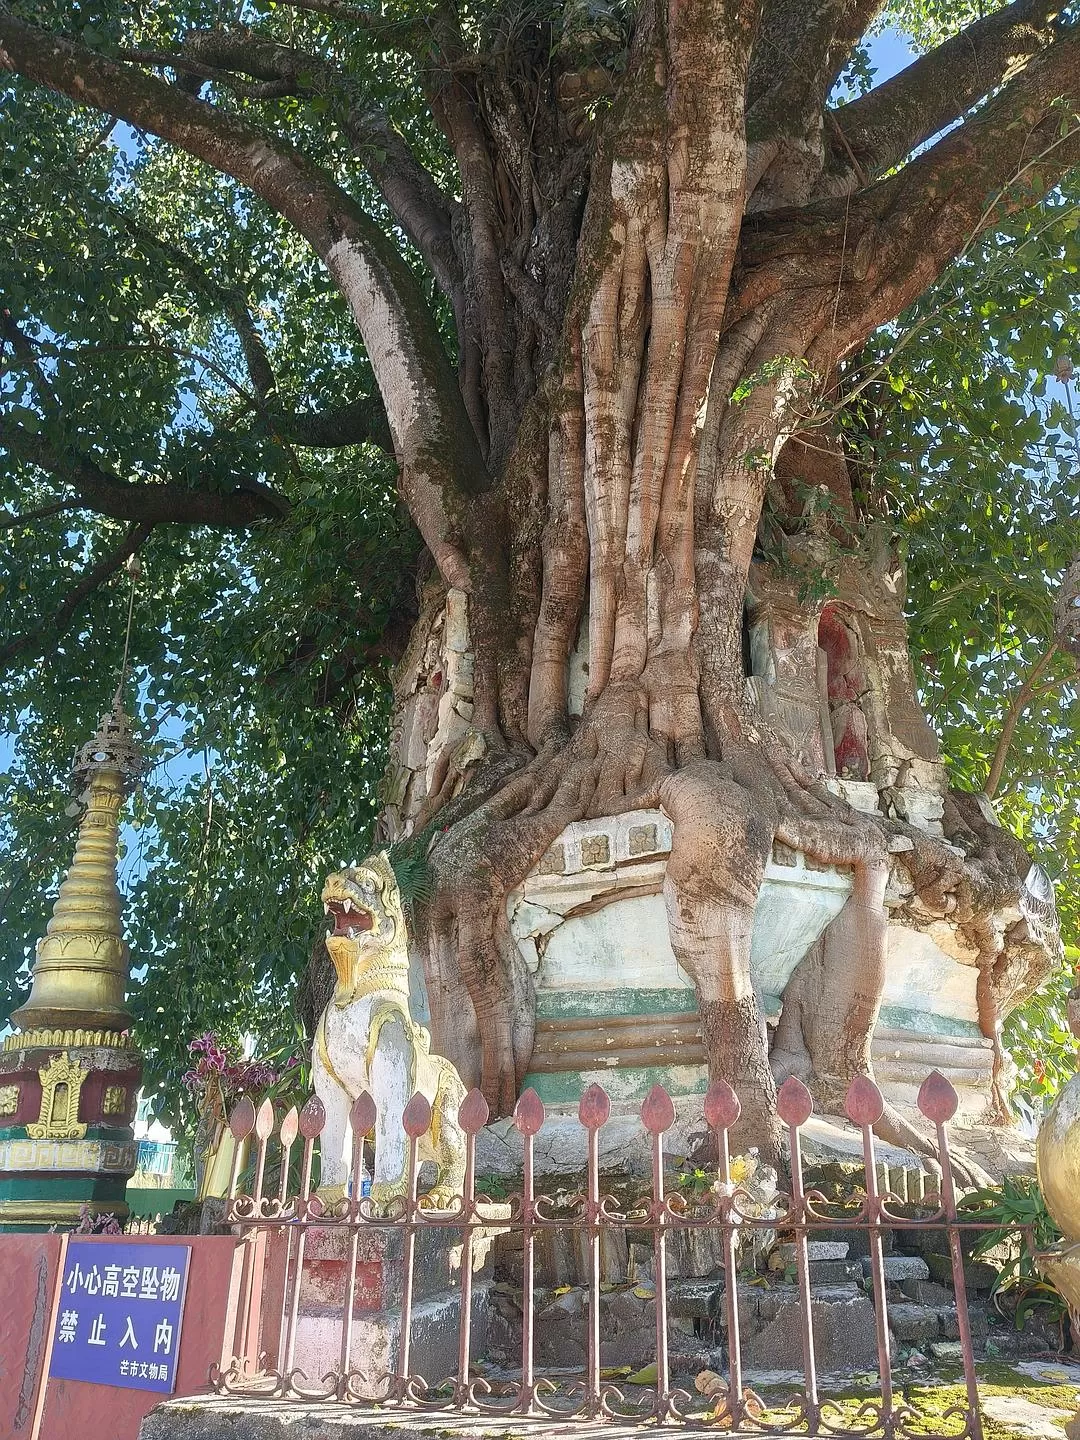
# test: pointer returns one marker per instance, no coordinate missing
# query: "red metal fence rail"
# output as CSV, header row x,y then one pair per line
x,y
272,1216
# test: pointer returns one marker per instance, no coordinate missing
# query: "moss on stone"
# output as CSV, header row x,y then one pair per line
x,y
932,1397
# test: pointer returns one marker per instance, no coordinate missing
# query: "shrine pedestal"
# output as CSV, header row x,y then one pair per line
x,y
613,1006
380,1284
67,1101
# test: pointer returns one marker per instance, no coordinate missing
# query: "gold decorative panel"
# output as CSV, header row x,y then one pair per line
x,y
115,1101
29,1039
99,1157
61,1083
9,1099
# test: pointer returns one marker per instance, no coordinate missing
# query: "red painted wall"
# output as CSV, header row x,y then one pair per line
x,y
29,1273
29,1266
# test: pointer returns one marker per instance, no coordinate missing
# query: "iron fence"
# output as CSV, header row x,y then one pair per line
x,y
279,1219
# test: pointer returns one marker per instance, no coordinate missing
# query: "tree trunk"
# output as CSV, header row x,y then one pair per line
x,y
811,684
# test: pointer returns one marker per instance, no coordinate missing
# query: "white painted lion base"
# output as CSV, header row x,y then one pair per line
x,y
367,1040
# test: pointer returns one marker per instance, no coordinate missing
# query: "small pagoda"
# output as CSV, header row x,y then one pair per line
x,y
69,1076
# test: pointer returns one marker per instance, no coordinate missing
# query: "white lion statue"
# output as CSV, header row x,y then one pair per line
x,y
367,1039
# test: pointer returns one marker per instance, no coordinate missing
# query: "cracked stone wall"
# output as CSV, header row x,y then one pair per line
x,y
613,1005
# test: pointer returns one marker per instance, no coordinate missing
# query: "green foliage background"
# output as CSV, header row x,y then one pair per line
x,y
970,447
268,733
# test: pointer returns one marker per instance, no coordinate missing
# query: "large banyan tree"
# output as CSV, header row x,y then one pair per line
x,y
612,281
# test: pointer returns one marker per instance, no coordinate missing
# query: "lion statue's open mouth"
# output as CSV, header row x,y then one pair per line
x,y
349,917
358,901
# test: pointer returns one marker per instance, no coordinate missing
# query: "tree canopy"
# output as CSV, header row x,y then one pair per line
x,y
975,443
182,378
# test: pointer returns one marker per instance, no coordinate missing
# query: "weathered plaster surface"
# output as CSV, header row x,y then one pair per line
x,y
579,930
591,924
433,706
921,977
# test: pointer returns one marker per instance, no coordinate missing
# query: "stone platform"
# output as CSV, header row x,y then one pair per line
x,y
1023,1401
597,894
212,1418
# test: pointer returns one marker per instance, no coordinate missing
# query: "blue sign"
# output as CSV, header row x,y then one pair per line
x,y
118,1321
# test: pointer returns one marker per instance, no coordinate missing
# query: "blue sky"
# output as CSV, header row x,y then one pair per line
x,y
889,53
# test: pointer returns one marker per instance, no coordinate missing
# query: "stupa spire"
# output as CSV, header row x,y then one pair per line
x,y
81,968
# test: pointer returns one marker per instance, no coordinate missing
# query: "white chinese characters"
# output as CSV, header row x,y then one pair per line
x,y
130,1282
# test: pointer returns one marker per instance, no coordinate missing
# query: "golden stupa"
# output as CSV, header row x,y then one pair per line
x,y
70,1074
81,969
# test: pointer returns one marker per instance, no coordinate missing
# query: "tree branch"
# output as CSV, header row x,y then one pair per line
x,y
201,72
1016,149
154,345
1067,602
144,502
486,312
877,251
42,512
857,19
92,580
229,299
882,128
782,35
795,54
106,493
362,421
433,438
408,34
799,51
1017,706
409,190
339,9
26,355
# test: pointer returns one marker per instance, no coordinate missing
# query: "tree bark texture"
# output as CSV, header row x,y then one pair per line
x,y
661,253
